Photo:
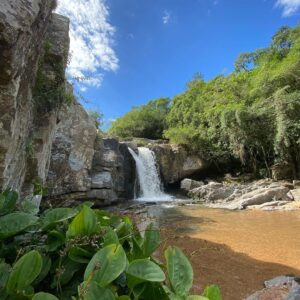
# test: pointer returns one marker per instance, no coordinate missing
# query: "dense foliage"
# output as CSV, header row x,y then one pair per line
x,y
86,254
251,114
146,121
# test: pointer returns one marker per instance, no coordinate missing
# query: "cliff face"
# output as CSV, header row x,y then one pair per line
x,y
46,137
175,163
23,27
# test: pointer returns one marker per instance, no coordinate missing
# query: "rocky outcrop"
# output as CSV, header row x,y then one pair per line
x,y
72,152
113,171
263,194
85,166
175,163
23,27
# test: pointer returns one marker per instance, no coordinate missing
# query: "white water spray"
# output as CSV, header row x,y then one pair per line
x,y
150,185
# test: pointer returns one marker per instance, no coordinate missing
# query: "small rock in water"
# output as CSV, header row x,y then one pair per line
x,y
279,288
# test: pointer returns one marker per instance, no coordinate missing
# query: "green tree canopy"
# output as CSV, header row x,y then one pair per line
x,y
146,121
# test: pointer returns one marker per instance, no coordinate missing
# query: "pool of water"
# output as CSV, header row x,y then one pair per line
x,y
269,236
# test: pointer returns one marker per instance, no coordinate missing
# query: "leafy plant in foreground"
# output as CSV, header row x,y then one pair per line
x,y
86,254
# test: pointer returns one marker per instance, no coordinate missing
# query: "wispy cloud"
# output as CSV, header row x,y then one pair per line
x,y
290,7
166,17
91,40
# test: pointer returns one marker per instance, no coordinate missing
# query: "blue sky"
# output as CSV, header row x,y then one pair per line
x,y
132,51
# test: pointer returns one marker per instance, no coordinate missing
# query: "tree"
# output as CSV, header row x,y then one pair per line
x,y
146,121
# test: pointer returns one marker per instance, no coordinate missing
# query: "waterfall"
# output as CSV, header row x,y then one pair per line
x,y
149,180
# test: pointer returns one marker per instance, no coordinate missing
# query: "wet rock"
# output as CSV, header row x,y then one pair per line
x,y
114,158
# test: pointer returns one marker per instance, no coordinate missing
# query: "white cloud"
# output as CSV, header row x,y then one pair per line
x,y
290,7
166,17
91,39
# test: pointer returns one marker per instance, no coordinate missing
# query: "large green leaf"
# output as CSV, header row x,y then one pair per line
x,y
24,272
29,206
69,268
8,200
55,240
46,266
14,223
212,292
110,237
154,290
57,215
180,271
80,255
96,292
196,297
151,239
44,296
85,223
4,272
106,265
141,270
136,251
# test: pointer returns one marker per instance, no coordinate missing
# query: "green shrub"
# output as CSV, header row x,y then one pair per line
x,y
85,254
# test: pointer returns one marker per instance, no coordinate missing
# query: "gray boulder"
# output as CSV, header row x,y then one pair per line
x,y
281,288
262,194
189,184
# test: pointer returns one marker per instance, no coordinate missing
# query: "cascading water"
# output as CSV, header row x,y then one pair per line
x,y
150,185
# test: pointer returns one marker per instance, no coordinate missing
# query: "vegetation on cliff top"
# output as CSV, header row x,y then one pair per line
x,y
251,115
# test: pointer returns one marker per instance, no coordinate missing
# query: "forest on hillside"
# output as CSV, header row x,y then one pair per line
x,y
251,115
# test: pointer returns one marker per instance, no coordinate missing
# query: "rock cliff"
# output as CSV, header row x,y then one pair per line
x,y
46,137
24,26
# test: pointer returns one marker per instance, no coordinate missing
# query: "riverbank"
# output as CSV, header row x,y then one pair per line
x,y
236,250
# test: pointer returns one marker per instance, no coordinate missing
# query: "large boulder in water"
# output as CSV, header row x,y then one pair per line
x,y
176,163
